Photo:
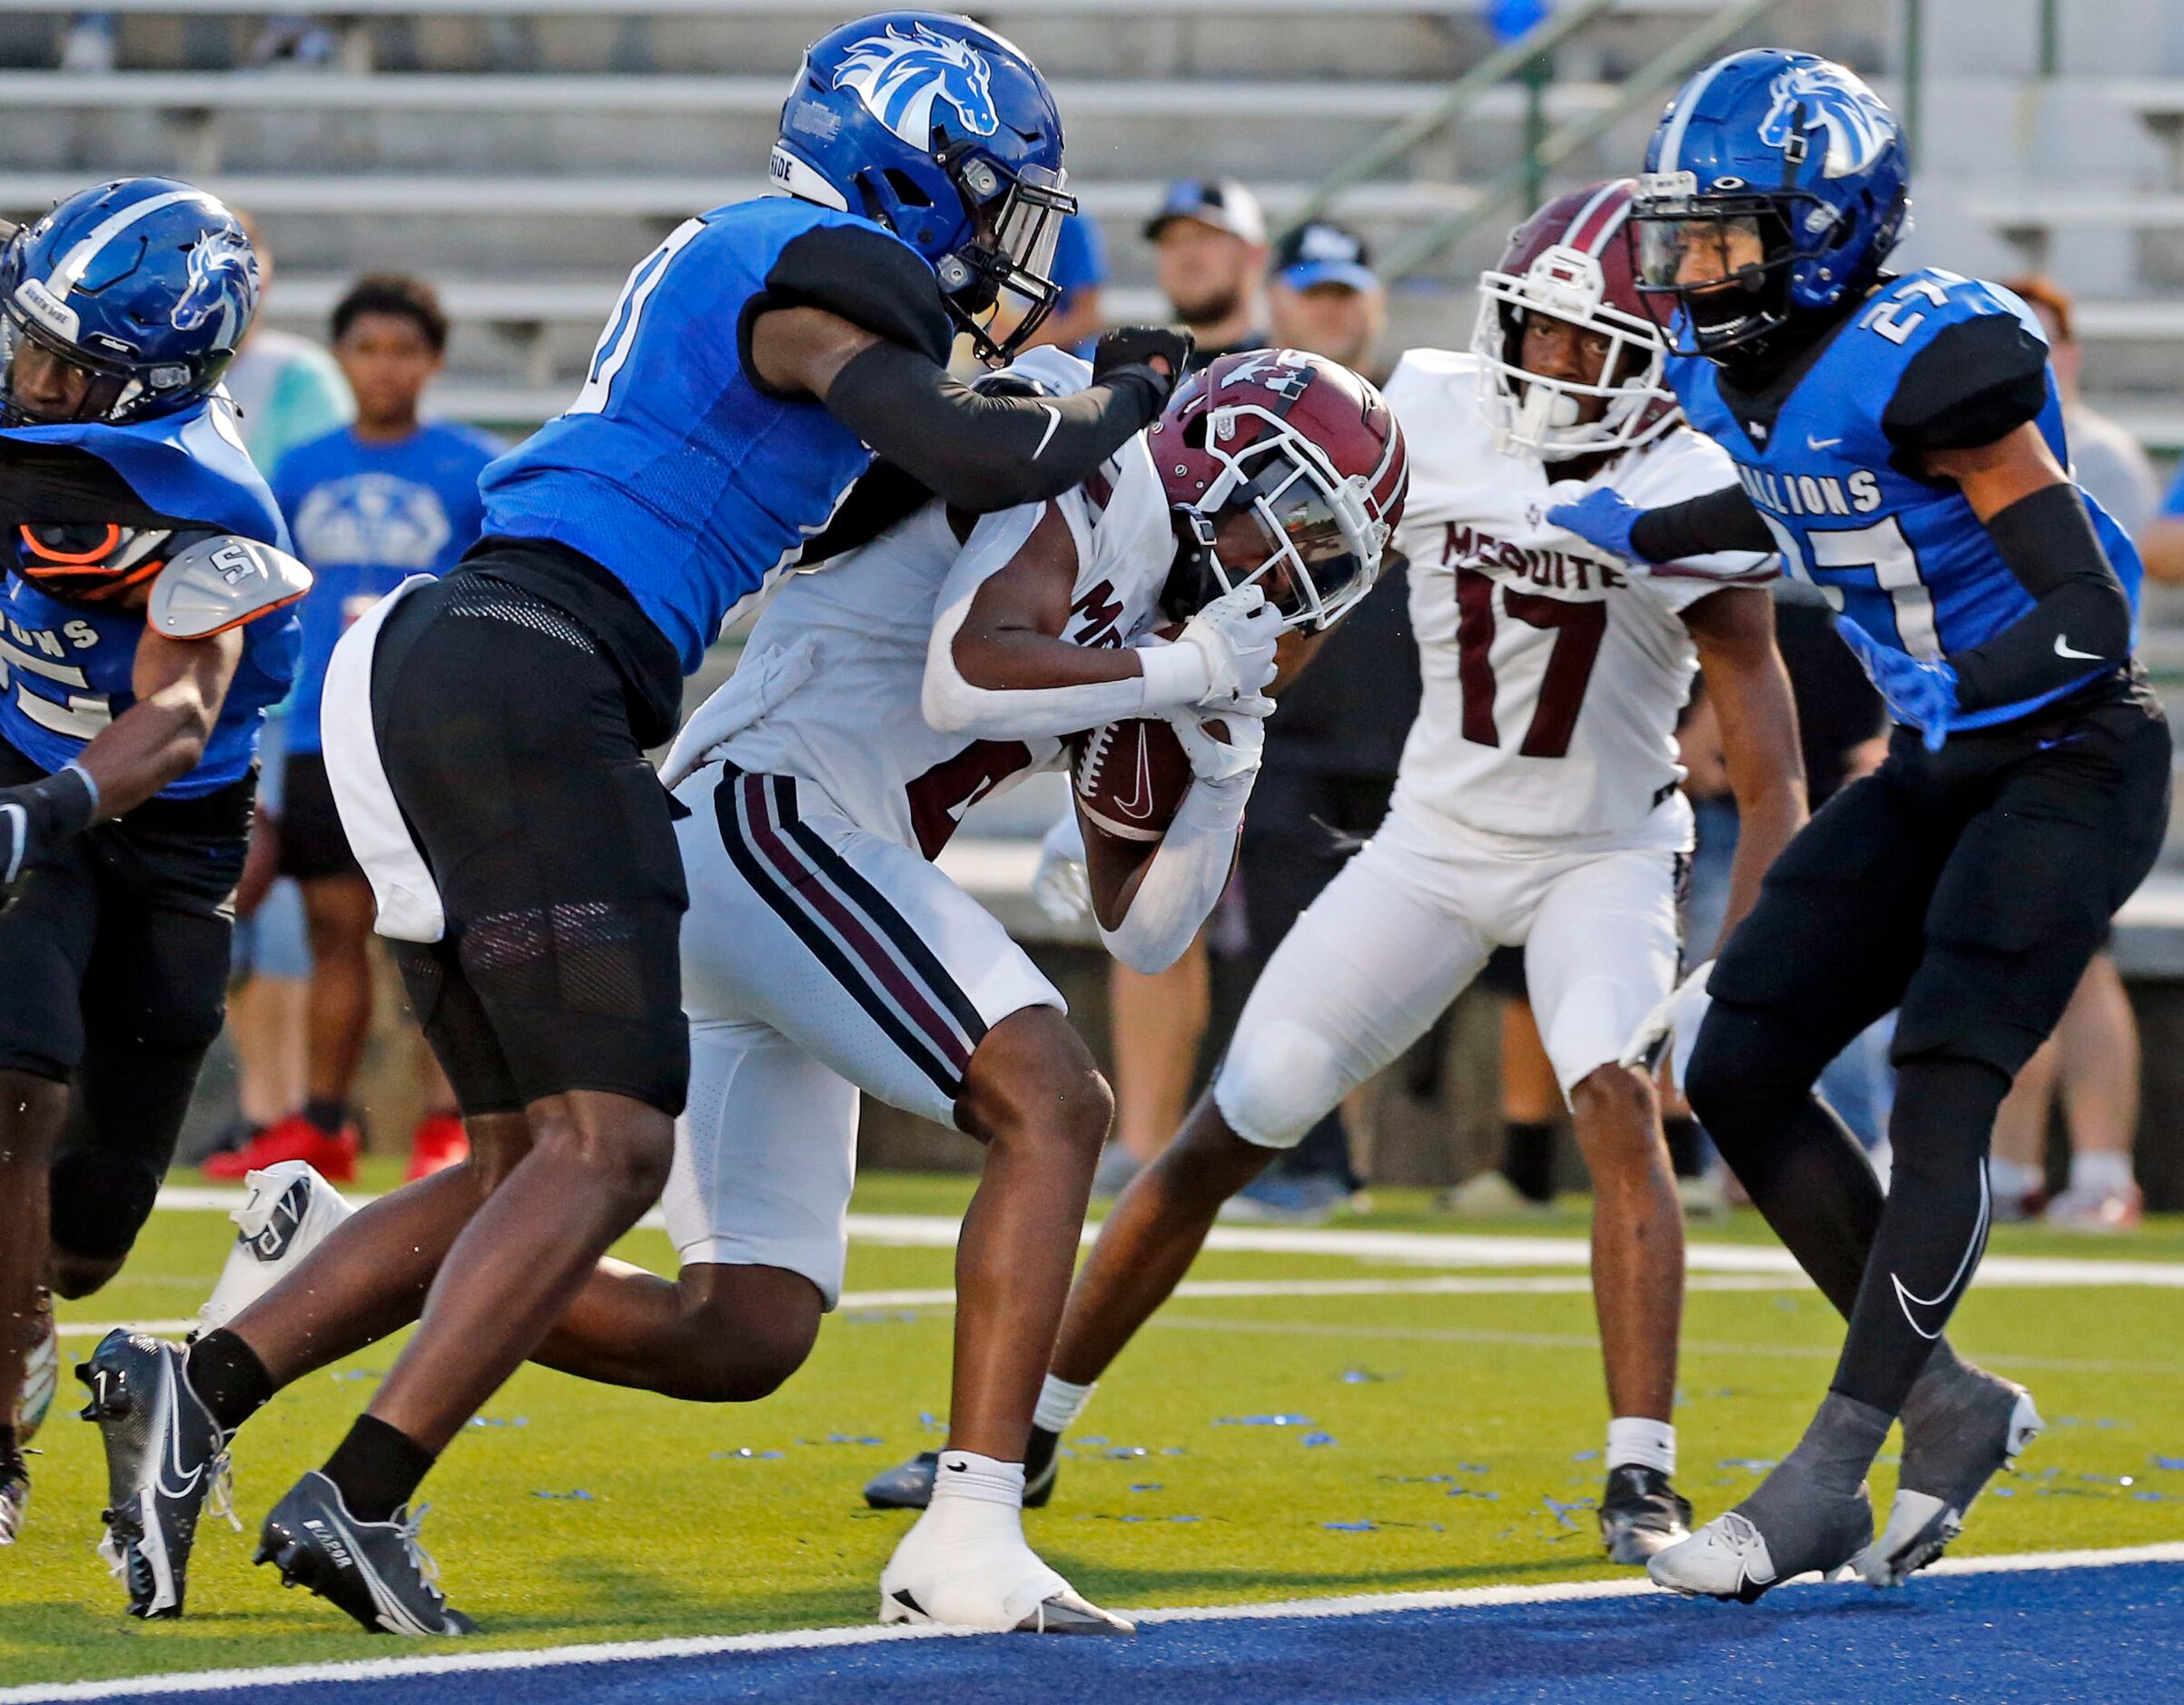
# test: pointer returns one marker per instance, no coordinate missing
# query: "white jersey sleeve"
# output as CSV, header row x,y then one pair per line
x,y
856,728
1553,677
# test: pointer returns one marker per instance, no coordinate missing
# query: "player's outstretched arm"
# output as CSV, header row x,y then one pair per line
x,y
1734,630
180,685
979,452
1718,521
2080,618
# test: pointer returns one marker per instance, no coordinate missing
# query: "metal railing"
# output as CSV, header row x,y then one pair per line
x,y
1540,155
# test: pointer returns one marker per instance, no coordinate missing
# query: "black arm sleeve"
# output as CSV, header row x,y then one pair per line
x,y
981,452
1698,527
2080,620
1977,382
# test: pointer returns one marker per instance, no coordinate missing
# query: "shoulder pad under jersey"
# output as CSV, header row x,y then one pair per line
x,y
221,583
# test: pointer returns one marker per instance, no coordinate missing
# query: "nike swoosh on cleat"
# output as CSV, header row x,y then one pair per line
x,y
2063,648
173,1453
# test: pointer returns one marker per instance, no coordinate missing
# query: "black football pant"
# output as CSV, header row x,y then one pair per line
x,y
1968,889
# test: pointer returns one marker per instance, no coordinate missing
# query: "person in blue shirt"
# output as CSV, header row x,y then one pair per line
x,y
1080,273
1900,440
369,505
145,626
485,733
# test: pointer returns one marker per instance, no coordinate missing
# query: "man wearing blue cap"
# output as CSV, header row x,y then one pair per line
x,y
1324,296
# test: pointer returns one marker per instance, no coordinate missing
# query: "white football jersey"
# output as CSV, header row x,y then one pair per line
x,y
1553,677
856,727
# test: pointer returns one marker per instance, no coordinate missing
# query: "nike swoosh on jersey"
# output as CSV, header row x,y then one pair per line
x,y
2063,648
1811,443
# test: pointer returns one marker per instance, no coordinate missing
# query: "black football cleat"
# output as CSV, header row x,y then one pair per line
x,y
376,1571
909,1485
164,1458
1641,1513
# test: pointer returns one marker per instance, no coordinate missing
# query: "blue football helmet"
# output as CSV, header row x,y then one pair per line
x,y
144,287
946,134
1775,184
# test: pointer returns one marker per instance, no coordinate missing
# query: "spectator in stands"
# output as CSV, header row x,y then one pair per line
x,y
369,505
1210,247
1080,270
286,390
1324,296
2093,1057
87,44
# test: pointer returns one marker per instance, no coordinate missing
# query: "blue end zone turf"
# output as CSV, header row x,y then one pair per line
x,y
2085,1634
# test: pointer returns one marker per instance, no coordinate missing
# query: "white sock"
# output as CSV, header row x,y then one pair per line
x,y
2101,1172
965,1474
1641,1441
1059,1403
2012,1180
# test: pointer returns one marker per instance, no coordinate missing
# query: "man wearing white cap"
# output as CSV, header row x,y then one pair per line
x,y
1209,246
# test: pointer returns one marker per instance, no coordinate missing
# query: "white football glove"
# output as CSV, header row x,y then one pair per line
x,y
1060,885
1674,1022
1235,635
759,683
1216,760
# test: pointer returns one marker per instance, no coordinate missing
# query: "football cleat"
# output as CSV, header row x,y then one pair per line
x,y
295,1137
967,1565
909,1485
375,1570
288,1211
165,1459
440,1142
14,1494
1730,1558
41,1373
1955,1439
1641,1513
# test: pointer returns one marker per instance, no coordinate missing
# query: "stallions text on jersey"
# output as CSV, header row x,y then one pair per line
x,y
1903,556
1553,677
859,733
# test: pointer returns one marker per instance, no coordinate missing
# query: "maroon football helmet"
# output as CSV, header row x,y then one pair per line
x,y
1572,260
1285,471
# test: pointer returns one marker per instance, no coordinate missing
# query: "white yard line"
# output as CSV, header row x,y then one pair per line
x,y
1419,1248
1363,1604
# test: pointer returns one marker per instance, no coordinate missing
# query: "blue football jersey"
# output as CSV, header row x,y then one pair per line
x,y
66,666
366,516
671,468
1903,556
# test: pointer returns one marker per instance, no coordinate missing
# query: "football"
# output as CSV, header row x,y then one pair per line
x,y
1130,777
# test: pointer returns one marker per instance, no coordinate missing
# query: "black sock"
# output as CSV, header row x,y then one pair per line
x,y
376,1468
1527,1157
1685,1145
328,1112
228,1378
1932,1229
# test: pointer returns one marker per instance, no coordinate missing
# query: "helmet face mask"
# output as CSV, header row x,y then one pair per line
x,y
1775,186
1569,263
1259,489
1007,287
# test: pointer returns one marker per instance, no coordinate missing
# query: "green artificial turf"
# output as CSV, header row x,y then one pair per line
x,y
1459,1432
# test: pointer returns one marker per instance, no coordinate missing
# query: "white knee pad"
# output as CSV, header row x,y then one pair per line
x,y
1278,1080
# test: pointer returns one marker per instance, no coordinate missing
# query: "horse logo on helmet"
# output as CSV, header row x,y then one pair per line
x,y
1826,97
223,280
899,78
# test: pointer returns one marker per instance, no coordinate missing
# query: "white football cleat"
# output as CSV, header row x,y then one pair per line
x,y
289,1210
1726,1559
965,1564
